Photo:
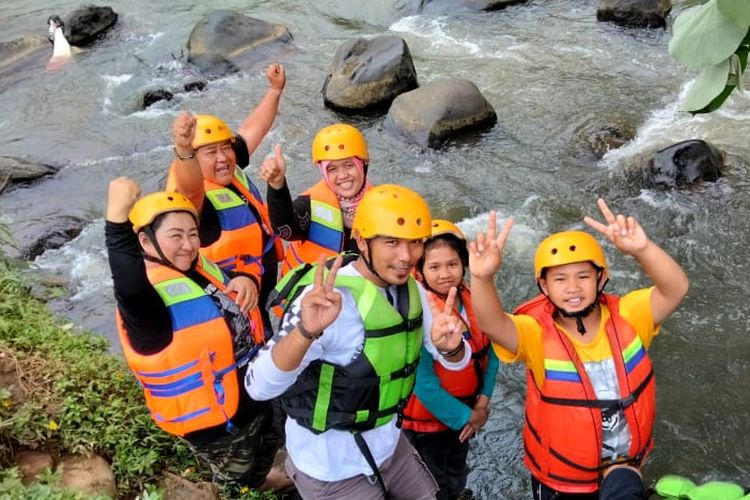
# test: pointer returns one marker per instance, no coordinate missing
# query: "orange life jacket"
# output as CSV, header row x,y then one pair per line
x,y
325,234
464,384
563,428
240,246
192,383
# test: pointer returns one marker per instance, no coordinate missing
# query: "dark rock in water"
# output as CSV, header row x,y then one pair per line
x,y
598,138
683,164
477,5
21,170
196,85
634,13
369,74
224,41
153,96
432,114
52,234
88,23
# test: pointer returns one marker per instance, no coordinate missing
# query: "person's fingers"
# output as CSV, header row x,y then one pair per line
x,y
622,226
492,225
331,278
277,151
606,212
504,233
631,224
595,225
318,277
450,300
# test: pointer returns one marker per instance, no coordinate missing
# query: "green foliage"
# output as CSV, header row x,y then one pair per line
x,y
79,397
11,488
714,37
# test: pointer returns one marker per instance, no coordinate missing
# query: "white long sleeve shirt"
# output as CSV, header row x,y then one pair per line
x,y
333,455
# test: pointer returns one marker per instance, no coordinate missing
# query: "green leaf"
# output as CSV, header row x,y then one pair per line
x,y
707,86
738,10
703,36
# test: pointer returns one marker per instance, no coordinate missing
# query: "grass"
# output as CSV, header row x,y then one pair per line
x,y
79,399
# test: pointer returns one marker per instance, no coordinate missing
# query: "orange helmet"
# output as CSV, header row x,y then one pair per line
x,y
444,226
148,208
210,129
391,210
568,247
337,142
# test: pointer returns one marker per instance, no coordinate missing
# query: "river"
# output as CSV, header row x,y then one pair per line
x,y
548,68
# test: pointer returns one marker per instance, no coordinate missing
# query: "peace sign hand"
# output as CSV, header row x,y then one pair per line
x,y
447,329
486,252
624,232
322,304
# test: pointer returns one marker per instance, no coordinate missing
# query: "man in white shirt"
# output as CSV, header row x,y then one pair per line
x,y
346,354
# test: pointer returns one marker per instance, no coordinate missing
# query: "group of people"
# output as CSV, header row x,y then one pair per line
x,y
360,335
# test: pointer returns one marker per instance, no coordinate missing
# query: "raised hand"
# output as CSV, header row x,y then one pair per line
x,y
276,76
624,232
322,304
273,168
245,292
123,193
183,132
486,252
447,328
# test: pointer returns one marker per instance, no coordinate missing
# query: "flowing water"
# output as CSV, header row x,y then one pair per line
x,y
548,68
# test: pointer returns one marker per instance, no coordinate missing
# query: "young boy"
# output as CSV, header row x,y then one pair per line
x,y
590,387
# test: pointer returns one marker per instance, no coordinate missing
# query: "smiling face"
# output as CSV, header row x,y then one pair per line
x,y
177,236
442,268
572,287
345,177
392,258
217,161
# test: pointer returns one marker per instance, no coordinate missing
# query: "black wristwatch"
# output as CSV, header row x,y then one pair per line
x,y
183,158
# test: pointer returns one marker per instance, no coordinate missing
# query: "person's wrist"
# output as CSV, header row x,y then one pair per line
x,y
309,335
183,154
454,352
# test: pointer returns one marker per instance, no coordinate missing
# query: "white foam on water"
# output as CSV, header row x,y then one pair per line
x,y
433,31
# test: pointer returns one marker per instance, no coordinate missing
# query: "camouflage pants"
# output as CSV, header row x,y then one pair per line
x,y
246,456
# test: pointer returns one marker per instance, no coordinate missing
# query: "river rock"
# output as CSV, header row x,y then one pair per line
x,y
9,377
477,5
683,165
32,463
368,74
88,23
154,96
46,235
21,170
23,58
595,139
634,13
432,114
89,474
179,488
224,41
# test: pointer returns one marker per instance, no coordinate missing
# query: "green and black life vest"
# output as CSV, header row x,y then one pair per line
x,y
377,383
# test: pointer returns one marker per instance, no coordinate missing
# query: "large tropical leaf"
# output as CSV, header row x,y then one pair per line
x,y
737,10
703,36
710,83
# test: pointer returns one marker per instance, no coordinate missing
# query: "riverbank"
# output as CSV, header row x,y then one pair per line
x,y
63,393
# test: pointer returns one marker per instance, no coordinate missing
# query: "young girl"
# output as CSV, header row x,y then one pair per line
x,y
448,407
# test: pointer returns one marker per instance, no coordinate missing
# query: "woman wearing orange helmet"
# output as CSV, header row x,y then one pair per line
x,y
187,332
590,385
319,221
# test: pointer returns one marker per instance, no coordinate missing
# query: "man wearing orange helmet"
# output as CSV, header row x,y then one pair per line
x,y
590,385
319,221
346,355
187,332
235,230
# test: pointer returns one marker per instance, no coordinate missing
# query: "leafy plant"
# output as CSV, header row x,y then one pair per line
x,y
715,38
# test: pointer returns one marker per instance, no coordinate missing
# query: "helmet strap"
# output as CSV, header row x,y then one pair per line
x,y
370,267
580,315
162,258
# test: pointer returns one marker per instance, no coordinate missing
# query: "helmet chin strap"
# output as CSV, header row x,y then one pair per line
x,y
163,260
370,267
580,315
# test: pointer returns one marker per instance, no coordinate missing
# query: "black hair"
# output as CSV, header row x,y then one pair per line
x,y
452,241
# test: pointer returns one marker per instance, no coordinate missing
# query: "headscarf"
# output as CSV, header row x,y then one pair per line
x,y
348,205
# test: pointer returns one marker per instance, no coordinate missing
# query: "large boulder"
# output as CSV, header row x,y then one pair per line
x,y
634,13
21,170
89,474
23,58
88,23
33,463
432,114
54,232
369,74
477,5
596,139
224,41
683,165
